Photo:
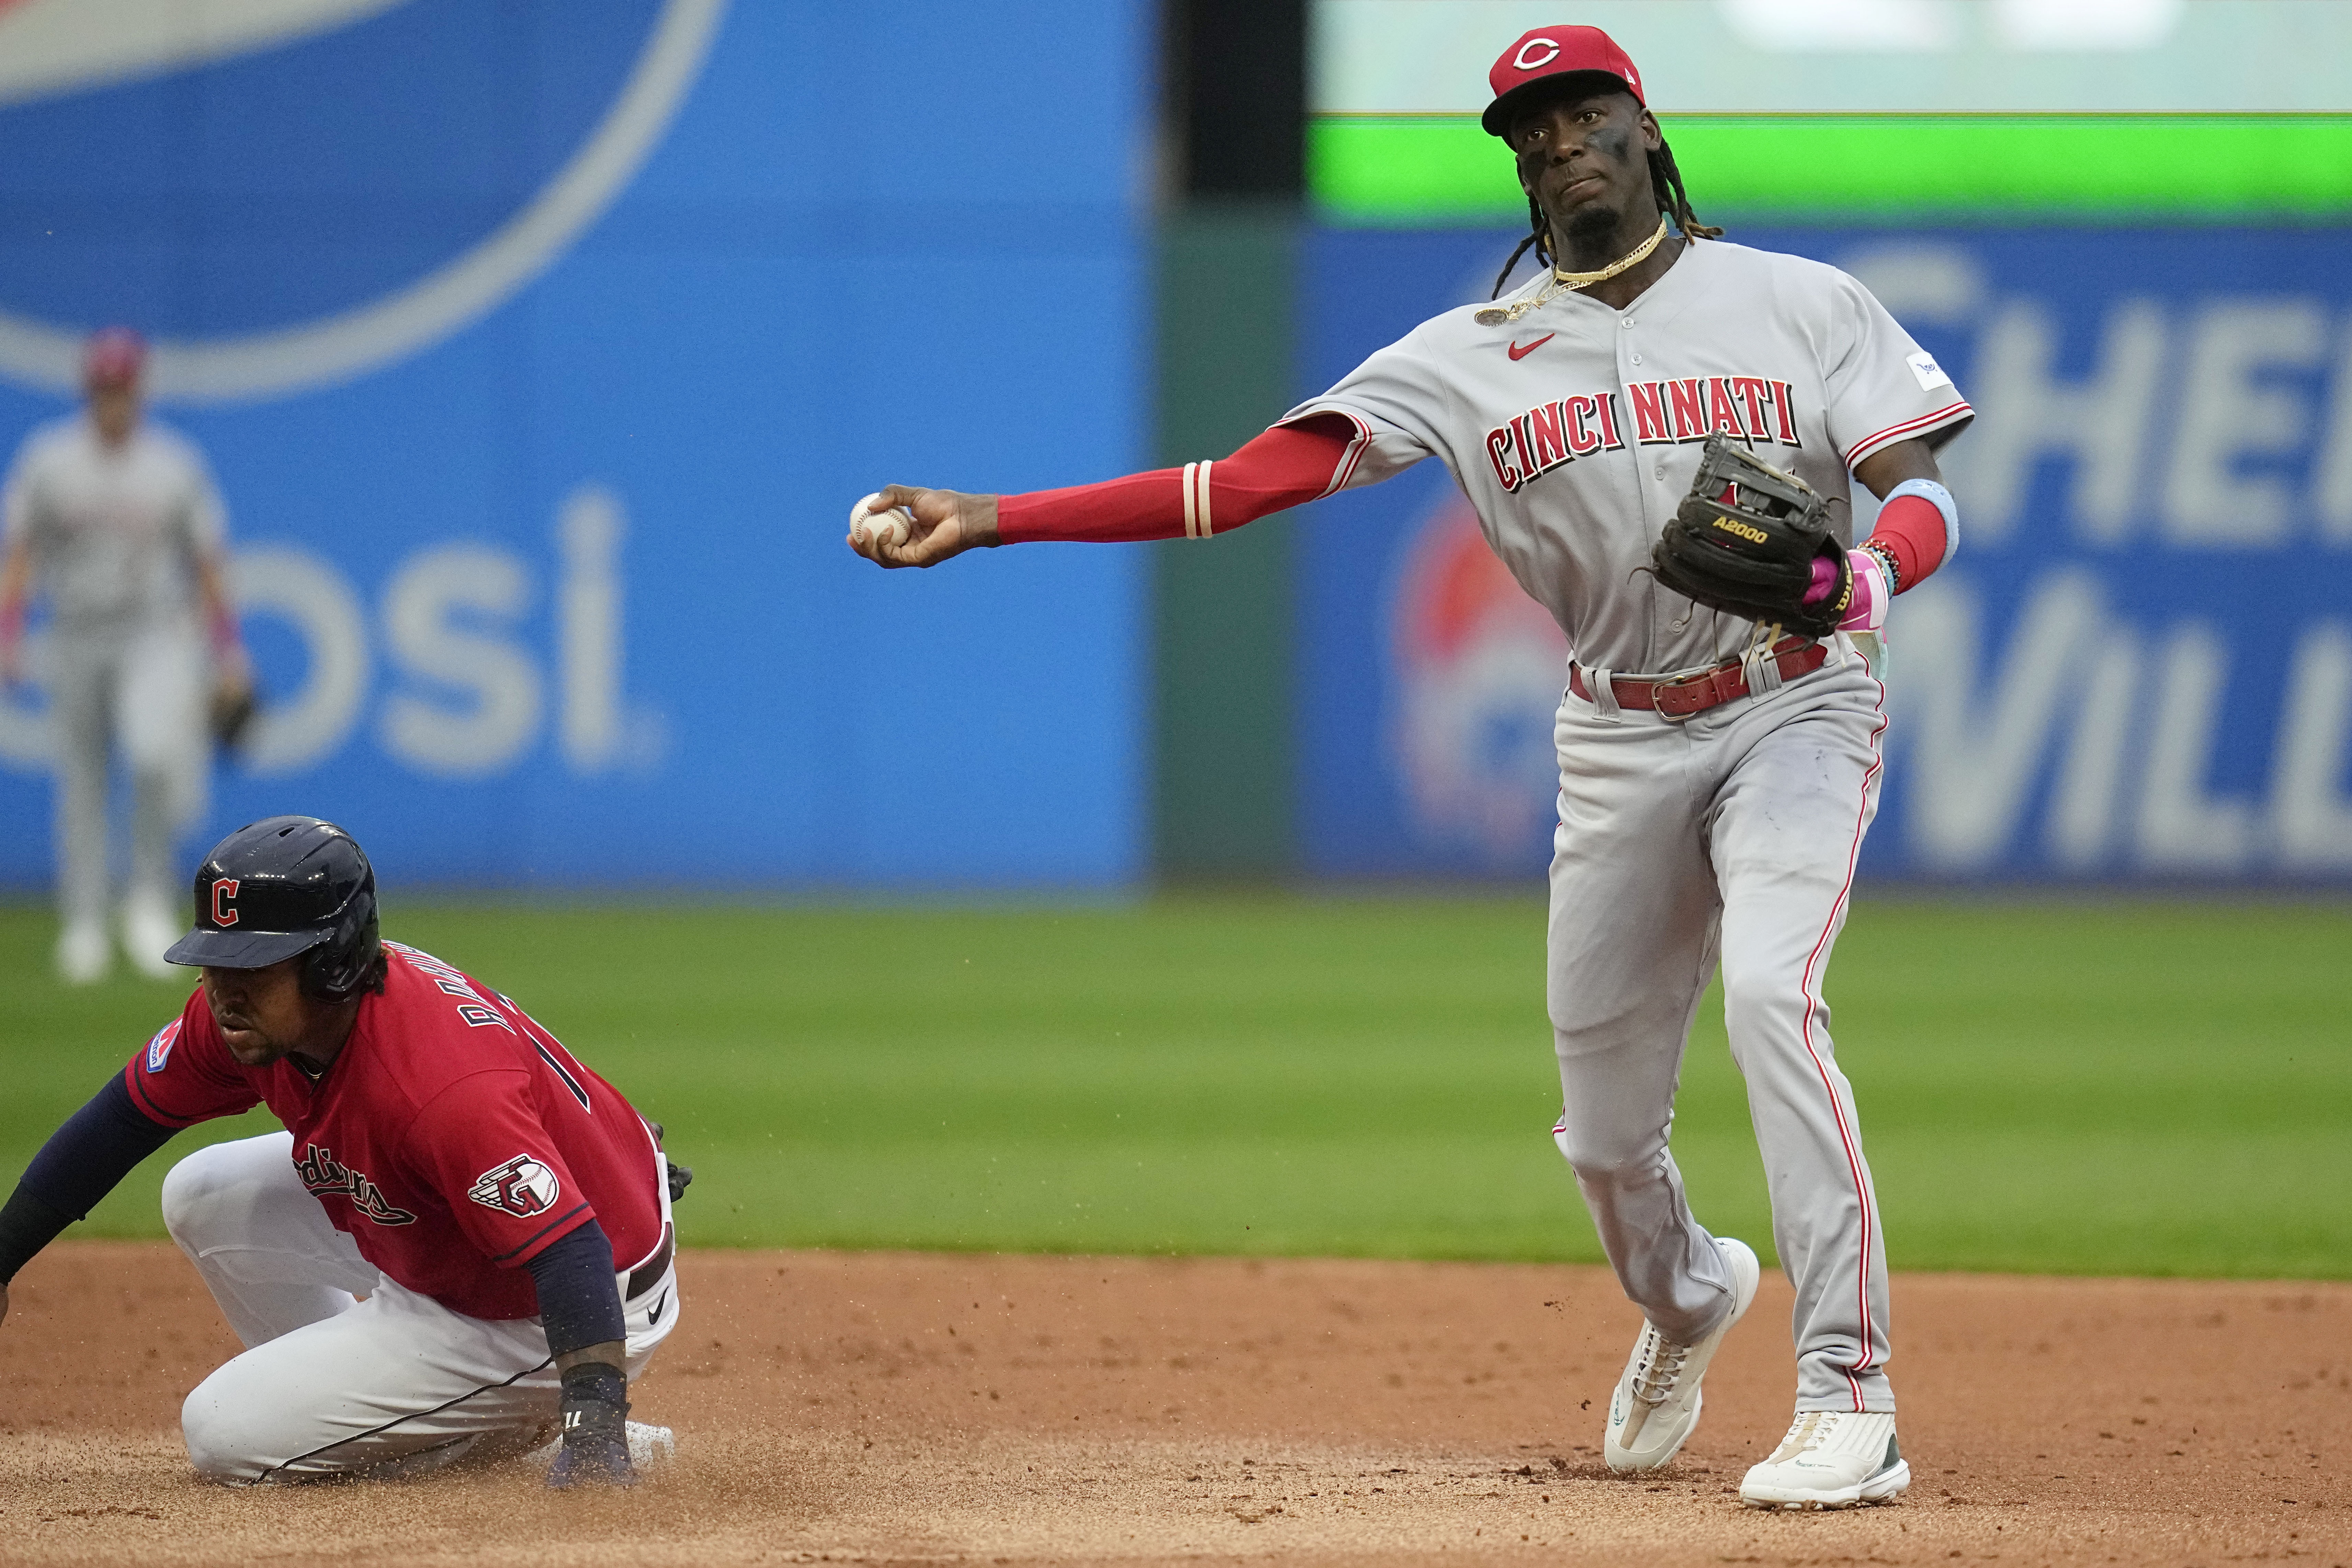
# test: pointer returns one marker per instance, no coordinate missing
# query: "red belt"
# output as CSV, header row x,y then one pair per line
x,y
1684,695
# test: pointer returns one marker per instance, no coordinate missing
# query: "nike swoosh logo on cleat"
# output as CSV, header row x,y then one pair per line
x,y
1519,354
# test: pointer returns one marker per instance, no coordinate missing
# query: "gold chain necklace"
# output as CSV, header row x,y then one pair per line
x,y
1563,282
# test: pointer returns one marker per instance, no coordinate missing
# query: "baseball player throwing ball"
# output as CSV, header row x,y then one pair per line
x,y
422,1267
1658,432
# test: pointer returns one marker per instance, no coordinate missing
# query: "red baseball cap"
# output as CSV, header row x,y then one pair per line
x,y
1548,52
113,357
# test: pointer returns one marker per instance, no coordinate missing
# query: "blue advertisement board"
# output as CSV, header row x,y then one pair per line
x,y
539,351
2136,670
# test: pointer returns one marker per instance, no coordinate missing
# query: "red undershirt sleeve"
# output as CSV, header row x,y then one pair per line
x,y
1911,530
1281,468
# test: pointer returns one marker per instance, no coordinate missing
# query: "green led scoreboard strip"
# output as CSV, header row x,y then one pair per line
x,y
1415,170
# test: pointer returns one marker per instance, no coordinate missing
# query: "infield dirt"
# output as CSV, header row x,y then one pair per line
x,y
937,1408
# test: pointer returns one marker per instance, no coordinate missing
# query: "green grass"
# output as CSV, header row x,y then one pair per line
x,y
2145,1089
1418,169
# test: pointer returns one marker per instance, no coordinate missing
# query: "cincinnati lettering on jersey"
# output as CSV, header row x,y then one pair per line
x,y
1551,434
1749,409
325,1176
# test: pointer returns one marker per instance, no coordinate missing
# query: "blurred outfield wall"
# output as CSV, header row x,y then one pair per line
x,y
541,348
2121,227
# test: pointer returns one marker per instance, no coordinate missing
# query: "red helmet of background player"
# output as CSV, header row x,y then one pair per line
x,y
1548,52
113,358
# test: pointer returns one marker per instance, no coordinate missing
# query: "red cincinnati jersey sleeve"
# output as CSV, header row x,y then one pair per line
x,y
1283,468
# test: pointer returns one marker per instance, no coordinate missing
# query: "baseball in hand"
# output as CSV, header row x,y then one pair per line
x,y
884,529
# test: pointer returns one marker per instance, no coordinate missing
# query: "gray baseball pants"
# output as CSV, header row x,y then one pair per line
x,y
1731,836
138,693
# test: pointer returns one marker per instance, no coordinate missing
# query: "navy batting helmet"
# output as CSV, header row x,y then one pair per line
x,y
285,885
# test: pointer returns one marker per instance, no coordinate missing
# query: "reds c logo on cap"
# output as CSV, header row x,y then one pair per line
x,y
224,901
1535,52
1550,52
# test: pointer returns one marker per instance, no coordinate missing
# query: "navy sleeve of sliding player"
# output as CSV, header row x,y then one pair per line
x,y
82,1162
579,1298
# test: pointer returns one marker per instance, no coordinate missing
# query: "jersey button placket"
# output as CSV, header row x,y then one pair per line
x,y
1625,323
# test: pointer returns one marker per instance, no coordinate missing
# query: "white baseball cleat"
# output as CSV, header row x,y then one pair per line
x,y
650,1447
148,929
1831,1459
84,954
1657,1399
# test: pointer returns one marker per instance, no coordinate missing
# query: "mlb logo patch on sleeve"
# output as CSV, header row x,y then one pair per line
x,y
521,1186
1931,375
159,1050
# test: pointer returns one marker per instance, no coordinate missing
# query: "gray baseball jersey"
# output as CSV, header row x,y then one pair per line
x,y
1729,838
1575,428
114,532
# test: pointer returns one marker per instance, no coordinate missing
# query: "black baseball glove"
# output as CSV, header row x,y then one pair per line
x,y
1744,541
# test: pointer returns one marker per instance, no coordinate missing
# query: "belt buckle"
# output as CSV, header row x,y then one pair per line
x,y
1659,688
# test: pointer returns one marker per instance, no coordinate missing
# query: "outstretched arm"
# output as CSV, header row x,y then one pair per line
x,y
82,1162
1280,468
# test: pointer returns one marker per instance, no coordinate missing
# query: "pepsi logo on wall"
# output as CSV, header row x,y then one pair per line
x,y
532,347
1477,676
286,194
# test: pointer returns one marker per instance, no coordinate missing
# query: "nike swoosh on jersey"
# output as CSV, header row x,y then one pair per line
x,y
1519,353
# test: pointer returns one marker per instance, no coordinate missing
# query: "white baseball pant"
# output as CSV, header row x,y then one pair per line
x,y
139,693
328,1385
1730,834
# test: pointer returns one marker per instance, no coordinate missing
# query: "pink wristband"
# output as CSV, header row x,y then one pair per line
x,y
1868,610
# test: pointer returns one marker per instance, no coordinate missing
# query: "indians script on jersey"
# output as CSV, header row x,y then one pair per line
x,y
1750,408
327,1176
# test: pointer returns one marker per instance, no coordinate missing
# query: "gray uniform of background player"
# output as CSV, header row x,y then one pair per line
x,y
1731,835
115,536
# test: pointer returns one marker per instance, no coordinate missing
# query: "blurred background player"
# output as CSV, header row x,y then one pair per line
x,y
117,520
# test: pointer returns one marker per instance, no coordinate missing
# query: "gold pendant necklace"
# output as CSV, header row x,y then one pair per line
x,y
1563,282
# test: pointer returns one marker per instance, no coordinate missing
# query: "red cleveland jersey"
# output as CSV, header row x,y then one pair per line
x,y
453,1138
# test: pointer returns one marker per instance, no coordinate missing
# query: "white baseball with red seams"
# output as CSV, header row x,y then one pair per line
x,y
889,527
1729,836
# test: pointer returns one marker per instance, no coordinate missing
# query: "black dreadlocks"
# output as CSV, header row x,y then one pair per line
x,y
1665,181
